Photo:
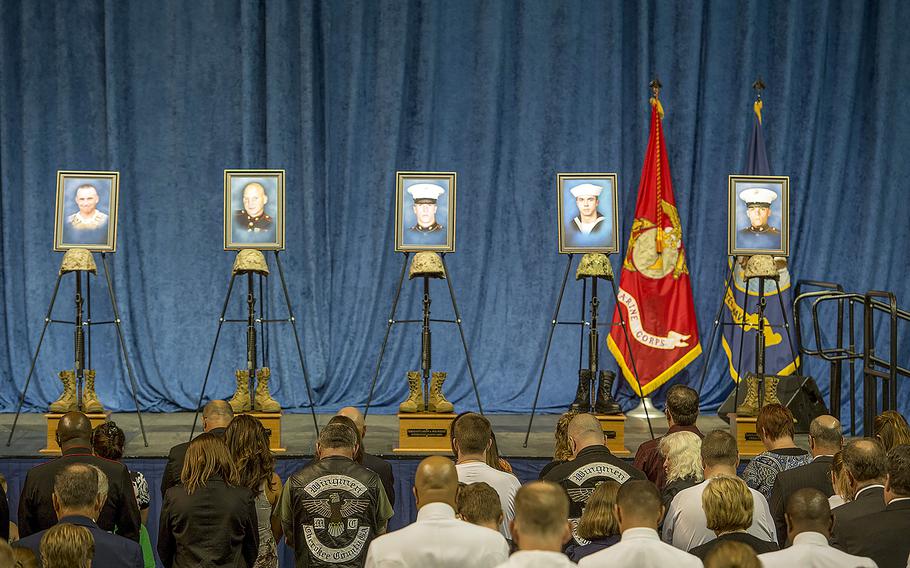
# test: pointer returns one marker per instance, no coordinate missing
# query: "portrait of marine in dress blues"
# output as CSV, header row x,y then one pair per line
x,y
587,214
759,223
253,209
425,213
86,211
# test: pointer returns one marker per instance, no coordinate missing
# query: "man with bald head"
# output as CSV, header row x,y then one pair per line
x,y
120,512
88,217
808,527
216,415
591,464
252,224
437,538
866,466
540,528
825,440
382,468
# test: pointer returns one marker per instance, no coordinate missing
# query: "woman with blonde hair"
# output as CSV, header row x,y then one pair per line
x,y
208,520
682,463
66,545
891,429
248,443
840,482
598,525
563,449
728,506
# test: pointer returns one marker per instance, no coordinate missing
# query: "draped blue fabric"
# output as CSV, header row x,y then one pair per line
x,y
342,94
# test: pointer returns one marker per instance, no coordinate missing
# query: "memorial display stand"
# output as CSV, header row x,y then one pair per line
x,y
53,418
614,427
424,433
748,442
272,423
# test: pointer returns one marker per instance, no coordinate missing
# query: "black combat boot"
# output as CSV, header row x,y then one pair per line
x,y
605,403
582,402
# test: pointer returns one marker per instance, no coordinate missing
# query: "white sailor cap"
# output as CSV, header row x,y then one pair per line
x,y
586,190
758,196
425,192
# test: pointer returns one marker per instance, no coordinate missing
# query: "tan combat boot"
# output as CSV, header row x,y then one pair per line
x,y
67,400
262,398
771,391
240,402
414,402
749,407
90,402
438,402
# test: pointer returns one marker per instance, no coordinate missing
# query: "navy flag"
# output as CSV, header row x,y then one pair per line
x,y
779,356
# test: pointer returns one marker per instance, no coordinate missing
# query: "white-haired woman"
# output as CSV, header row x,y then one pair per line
x,y
682,462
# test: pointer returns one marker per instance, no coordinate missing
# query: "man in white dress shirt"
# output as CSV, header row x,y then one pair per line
x,y
473,437
541,527
686,525
639,510
437,538
809,526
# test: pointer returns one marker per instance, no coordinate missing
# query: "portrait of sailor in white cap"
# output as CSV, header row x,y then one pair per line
x,y
425,196
759,234
589,220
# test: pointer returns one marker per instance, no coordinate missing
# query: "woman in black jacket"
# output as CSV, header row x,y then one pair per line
x,y
208,520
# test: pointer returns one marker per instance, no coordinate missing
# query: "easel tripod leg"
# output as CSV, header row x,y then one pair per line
x,y
388,329
717,320
625,329
31,370
464,343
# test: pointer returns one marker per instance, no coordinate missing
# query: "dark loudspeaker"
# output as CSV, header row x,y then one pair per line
x,y
799,394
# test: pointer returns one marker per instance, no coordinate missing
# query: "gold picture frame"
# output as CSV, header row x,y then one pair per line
x,y
257,220
758,215
85,215
418,228
602,234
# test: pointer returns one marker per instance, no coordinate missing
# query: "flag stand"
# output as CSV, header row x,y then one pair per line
x,y
592,334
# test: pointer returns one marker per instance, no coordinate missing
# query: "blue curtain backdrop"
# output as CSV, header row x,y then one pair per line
x,y
342,94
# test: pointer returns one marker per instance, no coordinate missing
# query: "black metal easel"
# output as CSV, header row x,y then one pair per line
x,y
250,321
81,336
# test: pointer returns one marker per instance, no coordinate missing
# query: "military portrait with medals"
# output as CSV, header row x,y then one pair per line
x,y
587,213
758,219
86,215
254,209
425,212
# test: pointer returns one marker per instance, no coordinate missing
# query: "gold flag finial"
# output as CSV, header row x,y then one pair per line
x,y
759,86
655,97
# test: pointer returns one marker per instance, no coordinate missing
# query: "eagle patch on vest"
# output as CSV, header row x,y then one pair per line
x,y
334,503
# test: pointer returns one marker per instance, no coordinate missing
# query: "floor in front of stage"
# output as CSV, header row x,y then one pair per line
x,y
164,430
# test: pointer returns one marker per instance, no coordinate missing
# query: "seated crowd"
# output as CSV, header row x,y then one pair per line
x,y
682,502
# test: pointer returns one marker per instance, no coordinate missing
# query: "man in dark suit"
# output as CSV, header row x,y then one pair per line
x,y
866,466
80,491
682,412
825,440
120,512
216,416
378,465
882,536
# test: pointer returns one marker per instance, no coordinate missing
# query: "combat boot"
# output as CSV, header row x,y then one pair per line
x,y
262,398
749,406
582,402
240,402
770,391
414,402
605,403
67,400
90,402
438,401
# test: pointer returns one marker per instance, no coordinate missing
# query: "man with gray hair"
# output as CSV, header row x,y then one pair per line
x,y
334,507
866,466
80,491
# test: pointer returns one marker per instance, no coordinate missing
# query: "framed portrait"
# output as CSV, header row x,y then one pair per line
x,y
588,215
758,218
254,209
424,211
86,212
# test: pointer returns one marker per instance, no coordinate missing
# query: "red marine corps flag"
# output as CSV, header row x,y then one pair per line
x,y
655,293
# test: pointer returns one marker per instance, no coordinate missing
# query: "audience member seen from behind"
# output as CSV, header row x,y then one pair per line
x,y
6,554
882,536
24,558
809,521
890,428
216,415
437,538
120,513
493,458
682,463
598,524
8,530
333,503
732,554
639,511
80,491
728,507
865,466
775,428
540,528
209,519
473,440
562,451
382,468
681,411
478,504
67,546
107,442
248,443
839,482
686,525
